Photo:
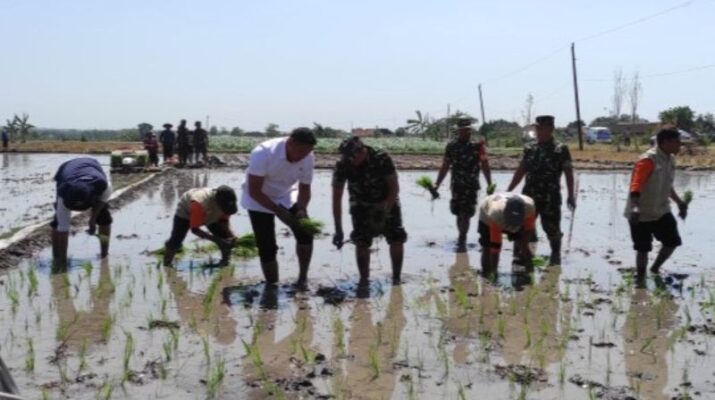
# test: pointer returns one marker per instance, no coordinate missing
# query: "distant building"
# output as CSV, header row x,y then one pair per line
x,y
362,132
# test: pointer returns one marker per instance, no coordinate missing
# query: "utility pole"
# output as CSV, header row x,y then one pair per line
x,y
575,91
481,107
446,123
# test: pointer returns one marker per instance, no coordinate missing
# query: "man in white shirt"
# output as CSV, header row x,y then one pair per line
x,y
274,168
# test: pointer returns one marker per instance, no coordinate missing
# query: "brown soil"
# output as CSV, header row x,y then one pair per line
x,y
596,157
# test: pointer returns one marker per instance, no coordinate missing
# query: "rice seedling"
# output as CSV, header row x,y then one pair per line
x,y
460,392
82,356
62,332
491,188
107,325
339,331
45,394
687,197
30,356
215,378
562,373
206,348
374,362
14,299
255,355
32,281
461,295
527,335
501,326
539,262
127,355
87,267
211,294
425,182
311,226
105,391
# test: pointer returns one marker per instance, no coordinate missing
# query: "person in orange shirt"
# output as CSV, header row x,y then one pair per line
x,y
648,206
510,213
203,207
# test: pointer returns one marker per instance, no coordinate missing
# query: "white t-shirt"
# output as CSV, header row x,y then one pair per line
x,y
64,214
269,160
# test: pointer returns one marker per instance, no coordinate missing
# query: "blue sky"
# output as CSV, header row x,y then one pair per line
x,y
113,64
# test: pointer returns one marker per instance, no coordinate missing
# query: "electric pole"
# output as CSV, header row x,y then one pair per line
x,y
575,91
481,107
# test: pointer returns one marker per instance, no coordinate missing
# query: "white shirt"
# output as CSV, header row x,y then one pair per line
x,y
64,214
280,176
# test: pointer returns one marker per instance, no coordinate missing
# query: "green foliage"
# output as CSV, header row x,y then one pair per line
x,y
681,116
425,182
688,196
312,226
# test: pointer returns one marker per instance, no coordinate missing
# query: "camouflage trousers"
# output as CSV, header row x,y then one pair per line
x,y
371,221
549,211
464,201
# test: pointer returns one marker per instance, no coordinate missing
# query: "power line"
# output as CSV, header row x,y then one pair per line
x,y
658,75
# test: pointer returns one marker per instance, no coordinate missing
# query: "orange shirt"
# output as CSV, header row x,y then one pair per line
x,y
495,231
641,172
197,215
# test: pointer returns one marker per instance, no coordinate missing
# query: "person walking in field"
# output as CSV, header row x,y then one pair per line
x,y
201,142
182,141
510,213
542,163
81,185
151,145
167,139
465,157
274,168
648,205
198,207
374,204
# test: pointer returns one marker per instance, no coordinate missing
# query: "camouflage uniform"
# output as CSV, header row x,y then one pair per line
x,y
544,163
367,186
465,157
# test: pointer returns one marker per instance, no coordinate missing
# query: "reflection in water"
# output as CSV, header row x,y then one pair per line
x,y
5,160
82,325
278,358
168,192
645,335
214,318
372,348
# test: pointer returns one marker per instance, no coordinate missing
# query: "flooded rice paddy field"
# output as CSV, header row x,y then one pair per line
x,y
126,327
28,193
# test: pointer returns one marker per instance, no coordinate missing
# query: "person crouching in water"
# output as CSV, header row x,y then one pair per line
x,y
510,213
203,207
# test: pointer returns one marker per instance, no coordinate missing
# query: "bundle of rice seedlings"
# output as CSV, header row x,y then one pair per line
x,y
425,182
491,188
539,261
688,197
311,226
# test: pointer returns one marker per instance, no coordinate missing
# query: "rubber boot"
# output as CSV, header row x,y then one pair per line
x,y
555,258
225,257
270,271
169,256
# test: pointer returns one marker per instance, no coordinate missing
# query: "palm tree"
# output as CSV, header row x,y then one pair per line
x,y
21,126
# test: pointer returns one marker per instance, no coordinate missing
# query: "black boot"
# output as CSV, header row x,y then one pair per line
x,y
555,258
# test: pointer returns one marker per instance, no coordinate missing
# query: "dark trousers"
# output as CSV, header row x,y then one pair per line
x,y
182,226
264,228
168,151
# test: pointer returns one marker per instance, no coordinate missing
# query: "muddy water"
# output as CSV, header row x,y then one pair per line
x,y
444,333
28,193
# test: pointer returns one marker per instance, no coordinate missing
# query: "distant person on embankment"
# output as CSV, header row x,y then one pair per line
x,y
510,213
648,206
465,156
201,142
81,185
182,141
203,207
5,140
374,204
167,139
151,145
275,167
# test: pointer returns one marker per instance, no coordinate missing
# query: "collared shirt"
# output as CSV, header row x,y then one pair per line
x,y
544,163
652,178
280,176
367,184
465,157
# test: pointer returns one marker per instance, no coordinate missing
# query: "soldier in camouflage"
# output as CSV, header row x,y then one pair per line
x,y
543,163
464,156
374,204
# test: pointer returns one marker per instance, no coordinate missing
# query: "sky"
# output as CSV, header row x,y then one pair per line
x,y
91,64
